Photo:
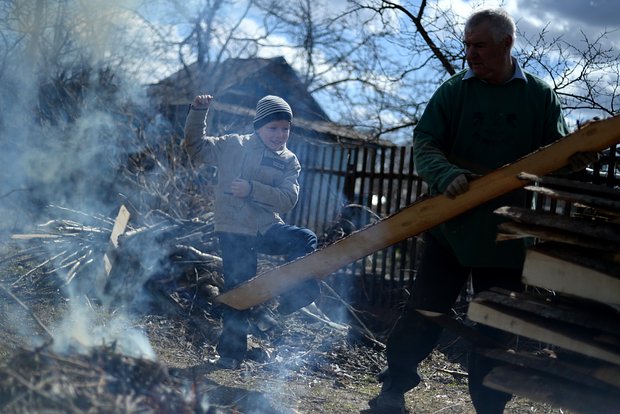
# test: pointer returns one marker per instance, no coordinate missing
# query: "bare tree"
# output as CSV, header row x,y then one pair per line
x,y
586,76
205,32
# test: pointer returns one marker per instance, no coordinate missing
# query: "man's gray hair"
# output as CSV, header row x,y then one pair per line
x,y
500,23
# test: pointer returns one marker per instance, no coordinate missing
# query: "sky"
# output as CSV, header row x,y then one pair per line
x,y
565,17
570,20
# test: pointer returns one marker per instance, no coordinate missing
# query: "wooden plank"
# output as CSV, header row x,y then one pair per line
x,y
589,315
573,185
584,199
30,236
571,337
549,389
587,371
421,216
120,224
573,272
599,229
512,230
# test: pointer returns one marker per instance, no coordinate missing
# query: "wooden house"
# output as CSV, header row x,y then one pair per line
x,y
237,84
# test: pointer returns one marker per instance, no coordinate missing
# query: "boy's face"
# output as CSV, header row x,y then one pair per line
x,y
274,134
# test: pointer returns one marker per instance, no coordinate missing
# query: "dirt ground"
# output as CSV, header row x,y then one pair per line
x,y
313,369
304,365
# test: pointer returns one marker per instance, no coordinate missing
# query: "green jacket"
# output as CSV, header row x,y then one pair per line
x,y
272,175
472,127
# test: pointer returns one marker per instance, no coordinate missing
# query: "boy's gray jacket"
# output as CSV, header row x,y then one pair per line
x,y
272,176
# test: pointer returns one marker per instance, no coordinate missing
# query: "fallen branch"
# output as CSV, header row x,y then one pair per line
x,y
319,316
364,329
27,309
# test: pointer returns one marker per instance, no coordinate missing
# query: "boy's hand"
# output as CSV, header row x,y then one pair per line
x,y
240,188
202,102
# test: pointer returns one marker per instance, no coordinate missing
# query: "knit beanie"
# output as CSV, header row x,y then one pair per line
x,y
271,108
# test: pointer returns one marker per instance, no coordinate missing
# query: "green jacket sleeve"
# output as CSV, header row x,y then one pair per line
x,y
430,146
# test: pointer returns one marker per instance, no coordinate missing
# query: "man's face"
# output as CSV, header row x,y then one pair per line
x,y
274,134
490,61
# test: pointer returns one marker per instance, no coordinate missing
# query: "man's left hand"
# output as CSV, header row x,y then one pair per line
x,y
457,187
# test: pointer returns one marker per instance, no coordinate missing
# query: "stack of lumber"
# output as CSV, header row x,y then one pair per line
x,y
571,307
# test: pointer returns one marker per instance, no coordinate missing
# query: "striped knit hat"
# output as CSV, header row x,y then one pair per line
x,y
271,108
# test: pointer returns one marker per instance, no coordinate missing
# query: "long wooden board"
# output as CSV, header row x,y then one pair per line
x,y
420,216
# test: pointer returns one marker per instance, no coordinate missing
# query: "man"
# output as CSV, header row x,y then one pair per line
x,y
479,120
257,182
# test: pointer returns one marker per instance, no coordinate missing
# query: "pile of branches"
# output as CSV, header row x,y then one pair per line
x,y
102,381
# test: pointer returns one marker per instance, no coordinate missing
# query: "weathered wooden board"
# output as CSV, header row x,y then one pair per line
x,y
120,224
573,186
511,230
421,216
585,341
599,229
549,389
562,308
588,371
582,272
581,199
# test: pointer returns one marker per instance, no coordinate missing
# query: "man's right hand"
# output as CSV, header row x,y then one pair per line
x,y
202,102
457,187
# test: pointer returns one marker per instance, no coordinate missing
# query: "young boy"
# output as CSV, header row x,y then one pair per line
x,y
257,182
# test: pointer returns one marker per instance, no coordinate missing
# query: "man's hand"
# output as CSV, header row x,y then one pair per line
x,y
202,102
240,188
458,186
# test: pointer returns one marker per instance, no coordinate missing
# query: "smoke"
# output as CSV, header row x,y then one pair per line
x,y
71,114
84,328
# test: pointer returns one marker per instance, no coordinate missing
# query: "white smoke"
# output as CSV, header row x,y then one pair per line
x,y
66,110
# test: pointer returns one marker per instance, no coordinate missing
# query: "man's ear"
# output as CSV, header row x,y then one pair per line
x,y
508,40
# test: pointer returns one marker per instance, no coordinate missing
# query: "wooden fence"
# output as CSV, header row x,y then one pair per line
x,y
380,181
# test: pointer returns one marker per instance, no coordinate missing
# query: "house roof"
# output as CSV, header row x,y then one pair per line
x,y
237,84
241,82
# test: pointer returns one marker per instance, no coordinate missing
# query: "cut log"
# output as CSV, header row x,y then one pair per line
x,y
421,216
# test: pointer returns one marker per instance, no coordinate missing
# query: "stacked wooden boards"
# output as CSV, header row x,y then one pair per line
x,y
572,304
